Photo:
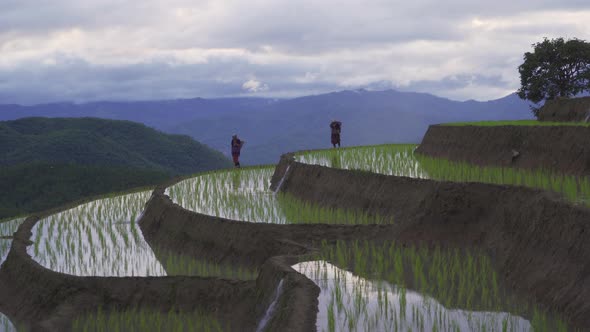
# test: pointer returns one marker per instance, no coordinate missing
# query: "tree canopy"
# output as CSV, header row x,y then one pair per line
x,y
555,68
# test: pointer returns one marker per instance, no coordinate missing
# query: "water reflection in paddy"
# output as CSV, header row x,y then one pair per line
x,y
6,324
7,228
245,195
351,303
391,159
100,238
239,195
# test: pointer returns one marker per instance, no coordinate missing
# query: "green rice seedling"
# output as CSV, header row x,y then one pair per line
x,y
298,211
517,123
7,229
6,325
362,312
400,160
440,278
390,159
245,195
145,319
178,264
93,239
573,188
331,319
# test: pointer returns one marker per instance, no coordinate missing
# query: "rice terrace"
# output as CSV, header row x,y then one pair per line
x,y
459,233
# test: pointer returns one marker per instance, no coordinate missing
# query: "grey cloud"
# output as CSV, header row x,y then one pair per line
x,y
292,47
45,16
77,80
292,26
456,82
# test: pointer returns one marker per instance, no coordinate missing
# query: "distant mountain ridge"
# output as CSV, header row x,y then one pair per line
x,y
275,126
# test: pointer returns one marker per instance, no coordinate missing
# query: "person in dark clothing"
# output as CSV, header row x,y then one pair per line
x,y
236,147
336,126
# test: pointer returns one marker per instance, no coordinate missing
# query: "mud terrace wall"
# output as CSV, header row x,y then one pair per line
x,y
274,247
538,242
574,109
45,300
558,148
270,247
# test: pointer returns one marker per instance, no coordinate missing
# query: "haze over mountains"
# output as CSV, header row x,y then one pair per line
x,y
275,126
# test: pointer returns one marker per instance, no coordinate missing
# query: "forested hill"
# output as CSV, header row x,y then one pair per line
x,y
90,141
45,162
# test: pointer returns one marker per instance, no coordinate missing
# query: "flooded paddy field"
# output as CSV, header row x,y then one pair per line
x,y
393,287
7,228
99,238
245,195
148,320
6,324
364,285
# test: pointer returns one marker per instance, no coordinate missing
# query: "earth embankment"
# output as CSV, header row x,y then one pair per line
x,y
44,300
538,241
566,110
557,148
272,247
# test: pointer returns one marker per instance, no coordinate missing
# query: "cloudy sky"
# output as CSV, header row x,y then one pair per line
x,y
83,50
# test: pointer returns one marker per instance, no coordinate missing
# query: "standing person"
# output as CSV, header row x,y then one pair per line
x,y
236,147
336,126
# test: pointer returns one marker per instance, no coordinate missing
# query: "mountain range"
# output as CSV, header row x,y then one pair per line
x,y
275,126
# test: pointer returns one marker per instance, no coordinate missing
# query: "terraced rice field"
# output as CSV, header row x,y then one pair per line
x,y
399,160
363,287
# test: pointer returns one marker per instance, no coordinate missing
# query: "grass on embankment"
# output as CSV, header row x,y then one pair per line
x,y
574,188
400,160
516,123
145,319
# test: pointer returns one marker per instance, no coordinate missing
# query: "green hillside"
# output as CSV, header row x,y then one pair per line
x,y
90,141
40,186
48,162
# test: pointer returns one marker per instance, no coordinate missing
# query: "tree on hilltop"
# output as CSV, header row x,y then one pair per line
x,y
556,68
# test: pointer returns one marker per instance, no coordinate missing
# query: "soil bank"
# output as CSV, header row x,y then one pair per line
x,y
562,149
566,110
45,300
